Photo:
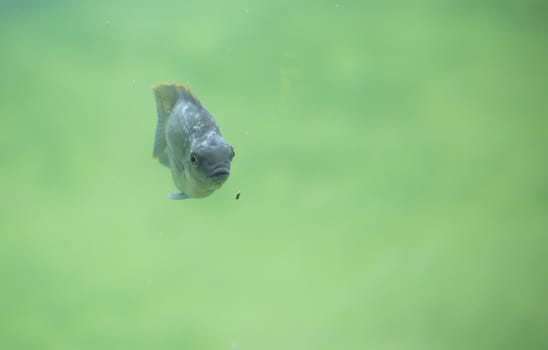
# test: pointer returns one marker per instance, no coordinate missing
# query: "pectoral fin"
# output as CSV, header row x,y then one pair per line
x,y
177,196
164,158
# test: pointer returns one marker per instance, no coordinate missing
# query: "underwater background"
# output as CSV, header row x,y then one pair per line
x,y
391,158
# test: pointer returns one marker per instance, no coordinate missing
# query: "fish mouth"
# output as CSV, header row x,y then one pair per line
x,y
220,173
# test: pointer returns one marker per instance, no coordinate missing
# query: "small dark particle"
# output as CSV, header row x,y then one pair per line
x,y
238,195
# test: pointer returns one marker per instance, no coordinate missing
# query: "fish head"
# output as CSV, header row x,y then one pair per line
x,y
209,162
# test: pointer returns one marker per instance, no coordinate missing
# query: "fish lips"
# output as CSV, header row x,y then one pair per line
x,y
219,174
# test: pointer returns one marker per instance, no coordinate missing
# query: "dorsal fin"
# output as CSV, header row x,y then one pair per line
x,y
166,96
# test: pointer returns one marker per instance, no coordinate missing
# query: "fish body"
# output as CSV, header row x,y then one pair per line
x,y
189,142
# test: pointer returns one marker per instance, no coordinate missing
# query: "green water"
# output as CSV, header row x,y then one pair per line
x,y
391,158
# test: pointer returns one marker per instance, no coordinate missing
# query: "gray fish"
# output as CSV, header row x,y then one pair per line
x,y
189,142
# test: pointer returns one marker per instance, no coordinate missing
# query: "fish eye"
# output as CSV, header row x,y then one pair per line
x,y
194,159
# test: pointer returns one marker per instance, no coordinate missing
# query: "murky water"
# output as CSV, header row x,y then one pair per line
x,y
390,163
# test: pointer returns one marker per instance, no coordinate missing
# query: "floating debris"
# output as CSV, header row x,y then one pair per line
x,y
238,195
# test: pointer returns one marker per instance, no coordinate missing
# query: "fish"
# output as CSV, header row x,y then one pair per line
x,y
189,142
